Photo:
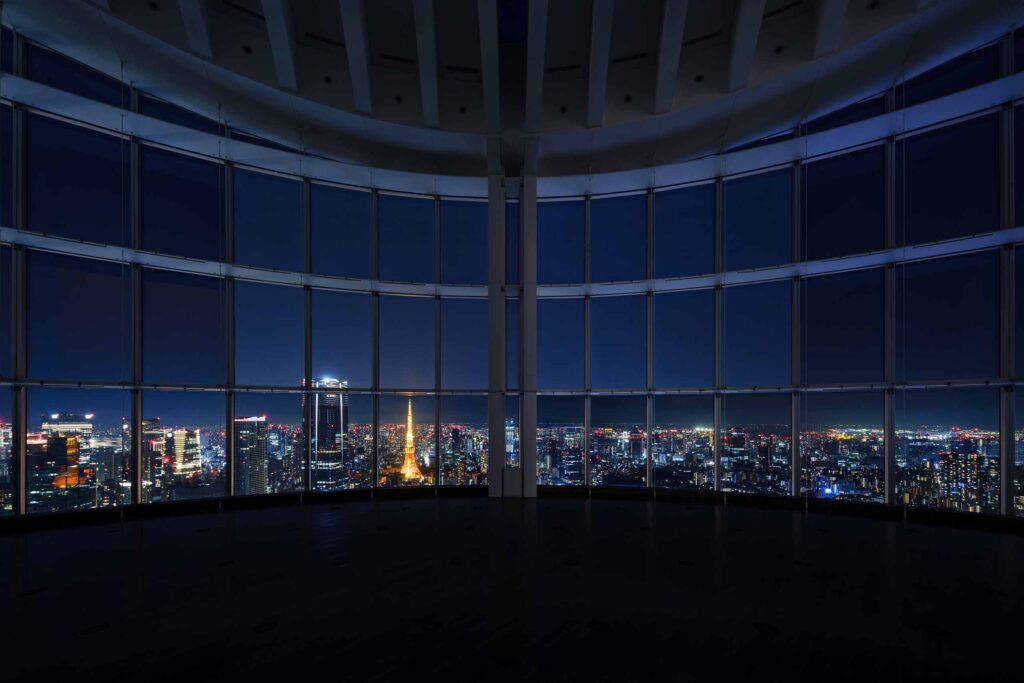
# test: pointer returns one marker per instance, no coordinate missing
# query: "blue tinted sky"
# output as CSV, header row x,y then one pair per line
x,y
406,227
342,225
560,227
467,409
268,335
618,342
844,204
618,238
757,215
268,221
108,406
512,242
512,343
183,336
684,231
342,337
406,342
684,339
463,242
186,228
843,320
464,343
619,412
756,334
559,343
392,409
279,408
560,410
754,410
684,411
821,410
965,408
185,408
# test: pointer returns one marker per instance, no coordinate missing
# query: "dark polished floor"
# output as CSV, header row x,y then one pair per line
x,y
471,589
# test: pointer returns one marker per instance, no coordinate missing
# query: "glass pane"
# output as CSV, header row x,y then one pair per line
x,y
183,332
512,343
406,342
185,228
512,458
842,450
843,327
77,449
947,449
63,341
56,70
1018,301
865,109
77,182
560,440
262,142
172,113
6,50
683,442
463,440
343,337
947,182
684,231
407,454
560,242
756,443
183,452
844,204
961,73
618,342
270,446
1018,449
268,335
560,343
618,441
406,238
947,318
341,438
684,339
756,335
463,242
757,217
6,443
512,243
464,343
268,221
618,238
342,231
5,318
6,191
1018,161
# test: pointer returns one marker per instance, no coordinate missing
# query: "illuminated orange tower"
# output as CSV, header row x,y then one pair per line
x,y
410,470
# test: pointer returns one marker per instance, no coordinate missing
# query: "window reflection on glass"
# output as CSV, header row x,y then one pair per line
x,y
464,442
270,444
683,441
406,452
77,449
756,444
618,441
947,449
842,446
183,446
560,440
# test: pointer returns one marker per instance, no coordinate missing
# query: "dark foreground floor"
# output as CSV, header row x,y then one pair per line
x,y
469,589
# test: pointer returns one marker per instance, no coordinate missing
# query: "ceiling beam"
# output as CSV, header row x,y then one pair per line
x,y
536,46
600,52
828,26
357,48
673,21
197,26
745,29
426,56
487,12
278,16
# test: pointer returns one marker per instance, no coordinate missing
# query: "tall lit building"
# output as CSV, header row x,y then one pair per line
x,y
184,451
328,425
251,455
410,468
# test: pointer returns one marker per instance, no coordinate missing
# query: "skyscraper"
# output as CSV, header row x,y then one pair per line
x,y
251,455
328,415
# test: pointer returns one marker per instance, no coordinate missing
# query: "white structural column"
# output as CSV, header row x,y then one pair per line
x,y
828,26
745,29
495,335
197,26
528,335
357,49
600,53
673,22
536,44
426,55
278,16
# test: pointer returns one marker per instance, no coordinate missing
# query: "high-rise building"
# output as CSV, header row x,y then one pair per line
x,y
327,427
251,455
